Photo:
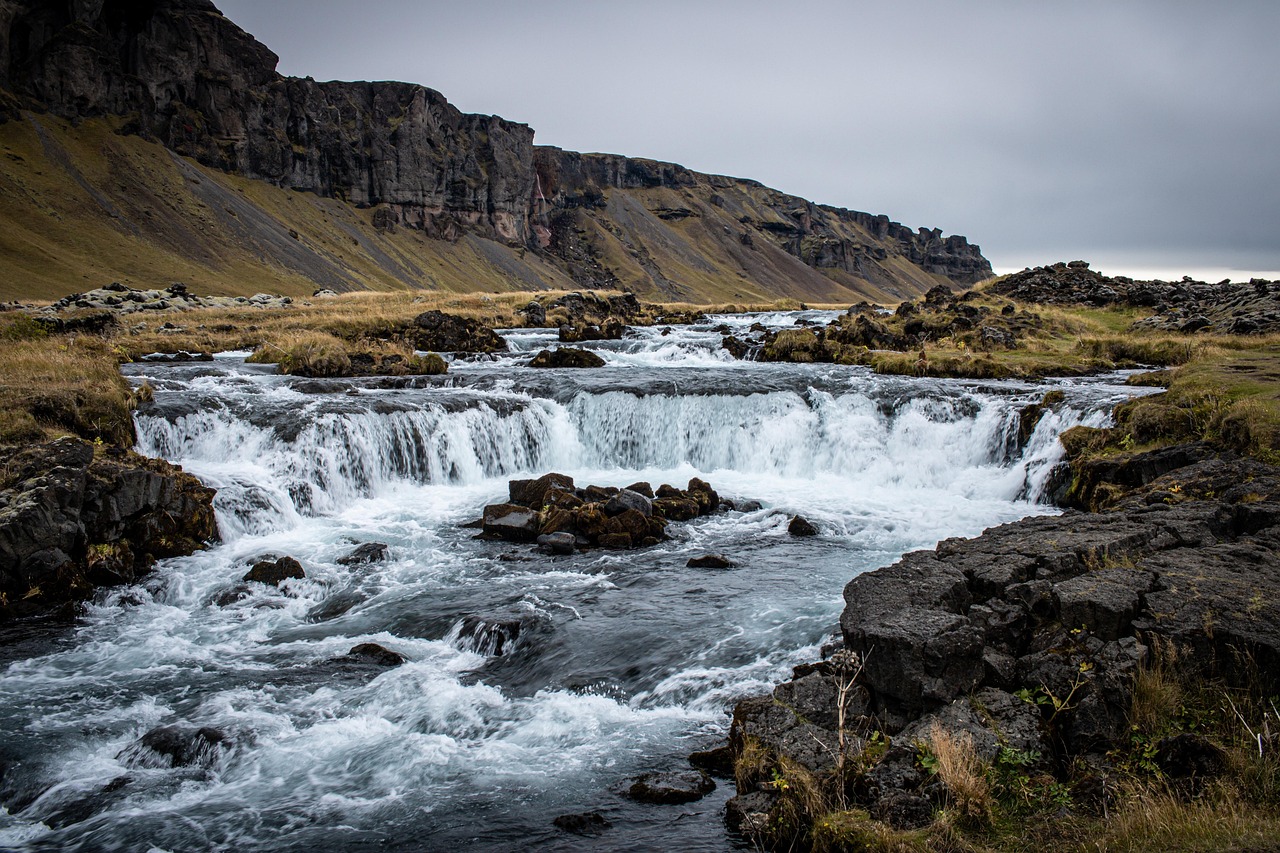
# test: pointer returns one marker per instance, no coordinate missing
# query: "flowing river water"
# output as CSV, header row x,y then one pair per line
x,y
621,661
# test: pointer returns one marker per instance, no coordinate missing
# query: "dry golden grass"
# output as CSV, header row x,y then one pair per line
x,y
964,774
59,385
1153,822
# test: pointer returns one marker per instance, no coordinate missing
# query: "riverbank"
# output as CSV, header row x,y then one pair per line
x,y
312,468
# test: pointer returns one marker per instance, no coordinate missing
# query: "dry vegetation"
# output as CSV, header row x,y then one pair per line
x,y
59,385
1009,805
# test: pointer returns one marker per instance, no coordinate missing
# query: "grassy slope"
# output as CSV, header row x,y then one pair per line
x,y
82,206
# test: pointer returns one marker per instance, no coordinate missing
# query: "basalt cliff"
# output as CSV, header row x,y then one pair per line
x,y
155,141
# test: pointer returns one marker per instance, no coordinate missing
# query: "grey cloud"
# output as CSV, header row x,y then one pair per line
x,y
1143,130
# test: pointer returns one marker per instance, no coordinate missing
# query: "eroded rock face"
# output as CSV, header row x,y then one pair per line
x,y
185,75
209,90
72,519
1029,637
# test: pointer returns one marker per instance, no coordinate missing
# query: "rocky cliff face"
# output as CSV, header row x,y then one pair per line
x,y
181,73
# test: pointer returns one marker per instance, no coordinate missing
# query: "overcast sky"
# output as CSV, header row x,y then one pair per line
x,y
1141,136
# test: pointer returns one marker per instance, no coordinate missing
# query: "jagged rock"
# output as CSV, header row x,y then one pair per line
x,y
532,493
672,787
710,561
566,357
368,552
512,522
1187,306
676,509
611,329
274,572
71,520
748,813
800,526
440,332
904,810
1105,601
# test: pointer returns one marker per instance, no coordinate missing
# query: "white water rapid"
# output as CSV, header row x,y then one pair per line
x,y
535,685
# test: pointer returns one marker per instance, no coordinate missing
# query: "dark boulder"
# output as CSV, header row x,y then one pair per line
x,y
671,788
676,509
1190,756
566,357
535,315
175,746
710,561
512,522
562,543
376,654
625,500
800,526
717,762
532,493
436,331
72,519
275,572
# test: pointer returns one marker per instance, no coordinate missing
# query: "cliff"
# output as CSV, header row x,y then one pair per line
x,y
178,74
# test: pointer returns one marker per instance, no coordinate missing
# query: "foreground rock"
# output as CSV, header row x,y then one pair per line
x,y
72,520
560,517
1028,638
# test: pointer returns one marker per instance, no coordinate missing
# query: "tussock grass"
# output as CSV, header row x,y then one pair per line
x,y
1131,351
60,385
964,774
315,354
1152,822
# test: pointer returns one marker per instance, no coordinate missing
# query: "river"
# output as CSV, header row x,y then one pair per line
x,y
612,662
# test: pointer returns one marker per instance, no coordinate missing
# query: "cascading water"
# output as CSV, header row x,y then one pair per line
x,y
535,685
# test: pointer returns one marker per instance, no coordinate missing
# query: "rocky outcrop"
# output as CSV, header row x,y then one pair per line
x,y
440,332
562,518
566,357
72,519
1028,638
1183,306
179,72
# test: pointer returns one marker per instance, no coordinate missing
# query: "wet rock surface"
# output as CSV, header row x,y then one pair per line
x,y
566,357
987,638
72,519
561,518
672,787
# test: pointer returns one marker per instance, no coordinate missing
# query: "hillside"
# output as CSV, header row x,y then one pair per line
x,y
155,142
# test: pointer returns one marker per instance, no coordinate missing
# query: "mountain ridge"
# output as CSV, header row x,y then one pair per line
x,y
400,157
